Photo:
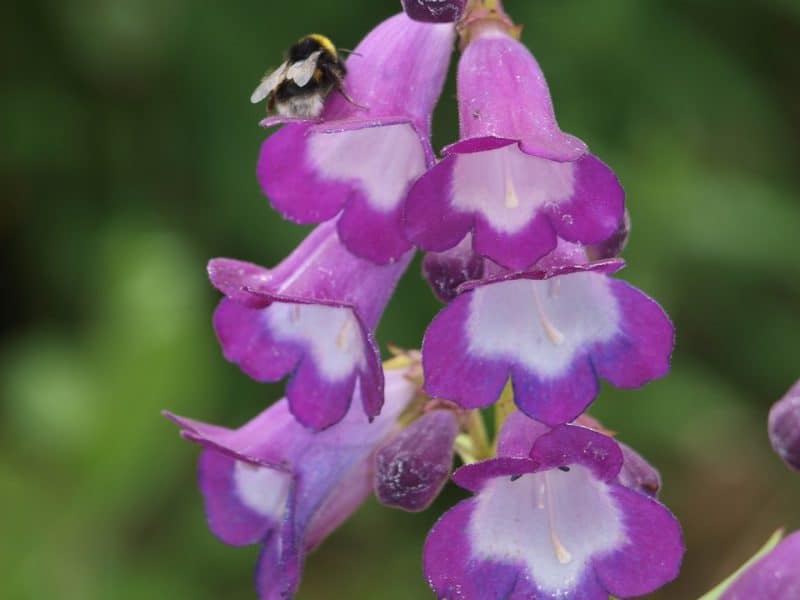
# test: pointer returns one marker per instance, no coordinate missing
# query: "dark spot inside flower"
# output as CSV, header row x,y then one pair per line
x,y
565,469
515,477
476,114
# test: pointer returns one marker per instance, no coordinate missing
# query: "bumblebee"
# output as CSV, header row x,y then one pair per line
x,y
298,88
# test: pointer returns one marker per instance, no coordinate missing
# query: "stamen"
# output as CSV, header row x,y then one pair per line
x,y
512,200
562,554
550,330
295,313
343,339
554,287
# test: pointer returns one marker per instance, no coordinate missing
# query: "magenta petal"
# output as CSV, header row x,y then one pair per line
x,y
775,576
643,349
784,427
312,315
451,372
597,207
412,469
556,401
518,434
653,554
450,569
435,11
571,445
360,159
516,251
446,271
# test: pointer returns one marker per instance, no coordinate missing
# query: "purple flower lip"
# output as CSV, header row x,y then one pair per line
x,y
312,317
359,161
784,427
515,182
276,483
553,332
553,523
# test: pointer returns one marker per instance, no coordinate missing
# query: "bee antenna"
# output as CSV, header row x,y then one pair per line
x,y
346,51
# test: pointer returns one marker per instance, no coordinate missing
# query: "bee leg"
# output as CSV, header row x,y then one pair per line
x,y
338,83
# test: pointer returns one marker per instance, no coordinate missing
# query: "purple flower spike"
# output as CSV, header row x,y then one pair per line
x,y
553,524
435,11
360,159
774,577
276,483
554,333
413,468
313,317
784,427
515,180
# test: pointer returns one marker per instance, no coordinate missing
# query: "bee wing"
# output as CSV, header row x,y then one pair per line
x,y
269,83
302,71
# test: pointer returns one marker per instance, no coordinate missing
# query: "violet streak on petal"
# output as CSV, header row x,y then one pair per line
x,y
554,525
311,317
435,11
275,482
515,180
412,469
784,427
775,577
553,334
361,160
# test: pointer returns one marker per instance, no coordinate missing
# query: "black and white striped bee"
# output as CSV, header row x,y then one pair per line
x,y
298,88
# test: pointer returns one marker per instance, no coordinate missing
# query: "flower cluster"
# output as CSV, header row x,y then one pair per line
x,y
521,228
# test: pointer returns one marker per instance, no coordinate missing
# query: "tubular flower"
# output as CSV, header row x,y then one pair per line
x,y
362,156
313,317
775,576
784,427
553,521
553,331
515,180
276,483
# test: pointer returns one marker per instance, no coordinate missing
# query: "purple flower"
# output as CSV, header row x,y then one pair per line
x,y
776,576
413,468
551,522
515,180
276,483
784,427
435,11
446,271
313,317
360,160
554,331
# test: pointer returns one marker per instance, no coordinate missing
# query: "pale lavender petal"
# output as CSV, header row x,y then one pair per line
x,y
412,469
638,474
775,576
784,427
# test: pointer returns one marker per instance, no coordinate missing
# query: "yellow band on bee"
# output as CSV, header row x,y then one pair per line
x,y
324,42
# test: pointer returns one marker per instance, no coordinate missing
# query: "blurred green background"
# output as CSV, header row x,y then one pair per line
x,y
128,159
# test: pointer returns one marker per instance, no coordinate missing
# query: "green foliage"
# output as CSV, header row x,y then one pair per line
x,y
128,160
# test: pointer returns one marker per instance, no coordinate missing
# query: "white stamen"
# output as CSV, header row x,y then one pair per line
x,y
550,330
343,339
562,554
512,200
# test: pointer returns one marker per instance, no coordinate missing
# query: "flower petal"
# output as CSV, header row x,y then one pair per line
x,y
435,11
784,427
774,576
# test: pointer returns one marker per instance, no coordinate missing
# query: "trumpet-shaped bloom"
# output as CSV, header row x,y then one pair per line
x,y
553,332
412,469
311,317
554,522
514,180
776,576
274,482
784,427
360,158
